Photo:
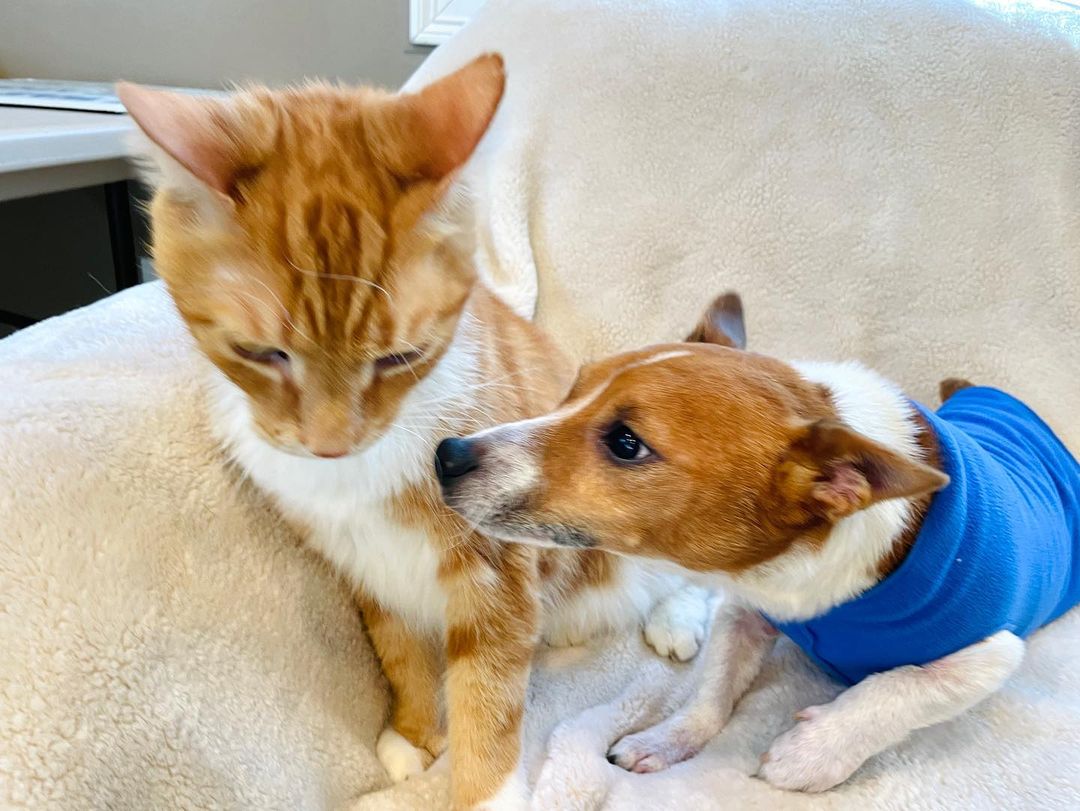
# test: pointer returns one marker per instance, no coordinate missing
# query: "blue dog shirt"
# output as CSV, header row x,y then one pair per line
x,y
999,548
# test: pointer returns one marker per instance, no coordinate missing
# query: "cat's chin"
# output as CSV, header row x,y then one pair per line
x,y
300,452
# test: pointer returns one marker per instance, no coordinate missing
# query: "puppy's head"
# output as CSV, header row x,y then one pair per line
x,y
699,453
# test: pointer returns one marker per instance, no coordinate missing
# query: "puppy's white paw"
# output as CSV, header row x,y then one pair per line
x,y
814,755
565,636
672,741
400,758
645,752
679,623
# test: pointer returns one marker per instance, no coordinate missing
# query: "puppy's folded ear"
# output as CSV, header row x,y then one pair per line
x,y
832,471
722,324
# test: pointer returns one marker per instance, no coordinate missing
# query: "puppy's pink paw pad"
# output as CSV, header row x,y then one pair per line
x,y
649,764
808,713
636,755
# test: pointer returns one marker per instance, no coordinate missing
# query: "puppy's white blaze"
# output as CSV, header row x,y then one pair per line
x,y
660,356
808,581
602,388
523,431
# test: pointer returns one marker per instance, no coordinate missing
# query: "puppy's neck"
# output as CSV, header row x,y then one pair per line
x,y
810,578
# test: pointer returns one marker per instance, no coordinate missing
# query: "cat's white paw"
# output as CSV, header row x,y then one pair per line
x,y
400,758
819,752
679,623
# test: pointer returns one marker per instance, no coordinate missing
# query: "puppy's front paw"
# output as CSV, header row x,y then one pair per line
x,y
565,636
672,741
819,752
400,758
679,623
643,753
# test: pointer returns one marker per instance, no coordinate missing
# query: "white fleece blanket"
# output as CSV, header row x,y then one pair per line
x,y
897,182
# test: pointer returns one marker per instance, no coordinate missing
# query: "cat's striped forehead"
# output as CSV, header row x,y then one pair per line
x,y
333,229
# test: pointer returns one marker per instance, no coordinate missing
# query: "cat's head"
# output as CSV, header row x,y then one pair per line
x,y
299,232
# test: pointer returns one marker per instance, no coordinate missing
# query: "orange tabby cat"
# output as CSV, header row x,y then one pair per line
x,y
304,236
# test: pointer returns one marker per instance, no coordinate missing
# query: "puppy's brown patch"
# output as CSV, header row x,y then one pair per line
x,y
950,385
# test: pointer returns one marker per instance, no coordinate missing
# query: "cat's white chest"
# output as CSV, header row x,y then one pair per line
x,y
396,565
344,503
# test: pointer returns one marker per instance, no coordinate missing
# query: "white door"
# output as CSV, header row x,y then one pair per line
x,y
432,22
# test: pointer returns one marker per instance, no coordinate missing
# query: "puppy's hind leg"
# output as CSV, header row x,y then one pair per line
x,y
576,775
830,742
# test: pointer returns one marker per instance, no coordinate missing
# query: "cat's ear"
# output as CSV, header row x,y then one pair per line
x,y
199,133
428,134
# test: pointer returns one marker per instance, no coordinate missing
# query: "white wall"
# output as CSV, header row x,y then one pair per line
x,y
207,42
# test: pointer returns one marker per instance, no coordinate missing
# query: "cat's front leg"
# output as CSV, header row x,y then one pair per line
x,y
410,662
736,648
492,632
830,742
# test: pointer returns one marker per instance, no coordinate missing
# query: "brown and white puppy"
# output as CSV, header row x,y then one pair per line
x,y
795,486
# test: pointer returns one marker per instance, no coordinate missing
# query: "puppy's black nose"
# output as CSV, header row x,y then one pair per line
x,y
454,458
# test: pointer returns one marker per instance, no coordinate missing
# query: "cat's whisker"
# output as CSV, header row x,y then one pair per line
x,y
401,427
493,383
343,278
273,315
418,351
460,538
284,314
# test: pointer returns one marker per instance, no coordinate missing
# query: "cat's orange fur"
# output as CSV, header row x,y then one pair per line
x,y
300,236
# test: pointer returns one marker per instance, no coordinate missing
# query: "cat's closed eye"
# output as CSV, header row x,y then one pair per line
x,y
261,354
397,359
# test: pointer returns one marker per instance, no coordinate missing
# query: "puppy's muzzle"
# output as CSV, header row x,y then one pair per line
x,y
454,459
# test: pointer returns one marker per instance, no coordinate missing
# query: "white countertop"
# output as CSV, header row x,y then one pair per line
x,y
32,138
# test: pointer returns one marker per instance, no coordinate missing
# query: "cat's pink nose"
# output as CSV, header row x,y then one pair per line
x,y
327,431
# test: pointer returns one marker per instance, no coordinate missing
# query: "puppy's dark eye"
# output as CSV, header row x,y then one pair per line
x,y
396,359
262,354
625,445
